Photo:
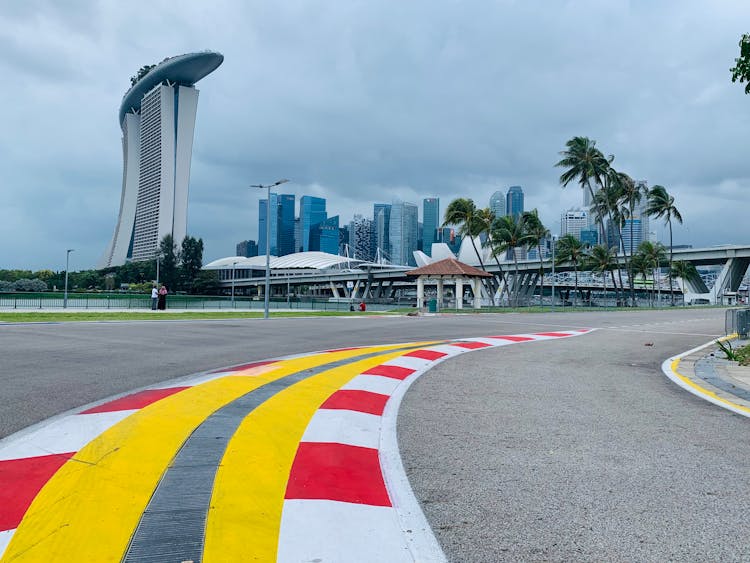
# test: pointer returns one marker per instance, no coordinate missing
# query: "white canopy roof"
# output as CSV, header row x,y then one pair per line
x,y
312,260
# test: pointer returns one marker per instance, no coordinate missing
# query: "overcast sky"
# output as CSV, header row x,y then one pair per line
x,y
364,101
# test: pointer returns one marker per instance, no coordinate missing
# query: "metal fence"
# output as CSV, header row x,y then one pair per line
x,y
98,301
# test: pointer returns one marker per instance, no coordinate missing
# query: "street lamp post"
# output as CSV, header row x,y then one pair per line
x,y
268,239
553,272
67,264
233,271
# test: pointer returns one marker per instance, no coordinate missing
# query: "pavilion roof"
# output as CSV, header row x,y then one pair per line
x,y
449,267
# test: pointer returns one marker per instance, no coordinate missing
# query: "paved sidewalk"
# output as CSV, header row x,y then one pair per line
x,y
708,373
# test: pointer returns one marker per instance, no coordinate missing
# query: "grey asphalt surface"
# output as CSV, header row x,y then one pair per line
x,y
579,450
572,450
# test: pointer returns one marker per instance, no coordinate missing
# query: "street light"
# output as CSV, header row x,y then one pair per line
x,y
553,272
233,265
67,264
268,238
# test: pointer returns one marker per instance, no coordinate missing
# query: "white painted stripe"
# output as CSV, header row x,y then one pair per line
x,y
5,536
192,381
491,341
414,526
344,427
374,383
409,362
324,530
448,349
68,434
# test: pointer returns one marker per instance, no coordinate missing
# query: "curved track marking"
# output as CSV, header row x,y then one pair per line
x,y
311,472
267,440
91,506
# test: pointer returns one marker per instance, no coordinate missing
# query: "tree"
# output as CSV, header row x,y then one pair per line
x,y
509,233
651,257
143,71
206,282
661,204
167,255
685,271
570,249
463,213
585,163
741,69
631,194
191,260
602,259
537,234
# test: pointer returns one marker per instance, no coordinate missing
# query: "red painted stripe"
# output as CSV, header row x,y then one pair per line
x,y
135,401
337,472
471,345
244,366
357,400
20,481
396,372
426,354
556,334
345,349
513,338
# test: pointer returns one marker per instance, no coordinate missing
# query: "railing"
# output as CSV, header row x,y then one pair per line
x,y
99,301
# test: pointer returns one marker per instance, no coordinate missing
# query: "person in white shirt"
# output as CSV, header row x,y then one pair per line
x,y
154,297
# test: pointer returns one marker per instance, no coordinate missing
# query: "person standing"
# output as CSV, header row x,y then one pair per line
x,y
162,300
154,297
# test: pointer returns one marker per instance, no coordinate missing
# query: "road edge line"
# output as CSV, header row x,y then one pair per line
x,y
670,368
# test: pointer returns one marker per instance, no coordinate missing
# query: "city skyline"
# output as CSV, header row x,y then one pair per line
x,y
395,108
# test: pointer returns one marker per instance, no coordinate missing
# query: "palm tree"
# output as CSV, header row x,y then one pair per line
x,y
486,217
509,233
686,271
631,193
570,249
606,201
641,267
602,259
661,204
585,163
464,214
653,255
538,233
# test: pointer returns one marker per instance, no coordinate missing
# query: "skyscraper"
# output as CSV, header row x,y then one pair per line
x,y
324,236
514,201
430,223
403,233
360,238
286,224
497,204
312,210
157,118
381,219
274,215
573,222
247,248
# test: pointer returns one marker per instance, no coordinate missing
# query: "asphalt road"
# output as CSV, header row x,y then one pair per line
x,y
578,449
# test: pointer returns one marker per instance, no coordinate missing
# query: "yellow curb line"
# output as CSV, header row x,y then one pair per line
x,y
670,368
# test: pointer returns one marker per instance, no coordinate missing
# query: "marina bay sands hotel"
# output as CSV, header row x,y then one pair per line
x,y
157,118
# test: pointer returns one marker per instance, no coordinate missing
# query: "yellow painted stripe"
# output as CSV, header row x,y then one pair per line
x,y
91,506
245,516
703,391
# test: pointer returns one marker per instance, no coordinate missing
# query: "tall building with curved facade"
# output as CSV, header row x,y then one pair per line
x,y
157,118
